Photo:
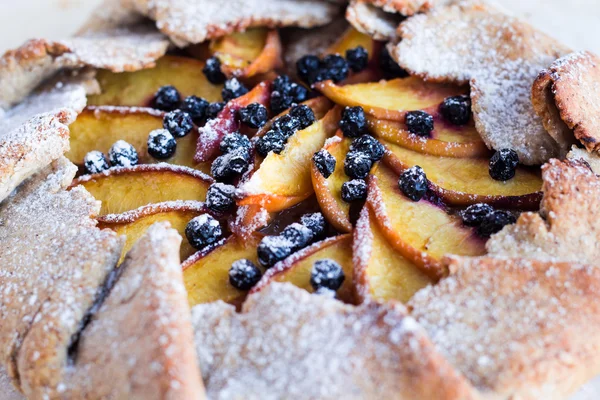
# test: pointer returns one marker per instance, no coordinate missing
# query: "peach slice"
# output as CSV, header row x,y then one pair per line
x,y
138,88
329,190
206,273
249,219
133,224
124,189
246,54
422,232
226,122
296,269
283,180
446,140
391,99
98,127
464,181
380,272
350,40
320,105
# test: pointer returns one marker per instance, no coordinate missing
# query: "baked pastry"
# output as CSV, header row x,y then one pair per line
x,y
370,225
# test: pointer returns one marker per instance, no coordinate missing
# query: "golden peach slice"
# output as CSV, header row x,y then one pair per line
x,y
350,40
206,273
249,219
125,189
283,180
380,272
419,230
329,190
138,88
296,269
133,224
246,54
390,99
446,140
320,105
99,127
464,181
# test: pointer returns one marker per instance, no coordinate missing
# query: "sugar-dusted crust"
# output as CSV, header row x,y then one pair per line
x,y
516,328
189,22
372,20
500,56
404,7
298,345
139,344
567,98
53,260
558,232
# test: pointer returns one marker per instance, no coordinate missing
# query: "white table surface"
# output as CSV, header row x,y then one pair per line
x,y
574,22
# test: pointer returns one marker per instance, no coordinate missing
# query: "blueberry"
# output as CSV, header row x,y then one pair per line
x,y
202,231
196,107
354,190
271,141
95,162
253,115
413,183
389,67
457,109
213,109
357,165
419,123
494,222
315,222
281,101
243,274
167,98
220,197
229,165
474,214
233,89
503,164
122,154
161,144
304,114
212,71
287,125
368,145
336,67
299,93
307,67
178,122
233,141
281,83
328,274
272,249
299,235
324,162
357,58
285,93
353,122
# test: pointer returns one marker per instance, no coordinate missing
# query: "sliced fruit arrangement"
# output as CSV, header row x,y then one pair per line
x,y
138,88
125,189
381,273
350,41
319,105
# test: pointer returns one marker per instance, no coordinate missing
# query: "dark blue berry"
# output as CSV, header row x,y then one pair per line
x,y
196,107
353,122
315,222
95,162
253,115
220,197
281,101
230,165
299,235
357,58
419,123
357,165
474,214
457,109
243,274
213,109
282,83
167,98
336,67
233,89
212,71
307,68
324,162
304,114
328,274
287,125
161,144
233,141
273,140
202,231
370,146
389,67
178,122
503,164
413,183
122,154
299,93
285,93
494,222
354,190
272,249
